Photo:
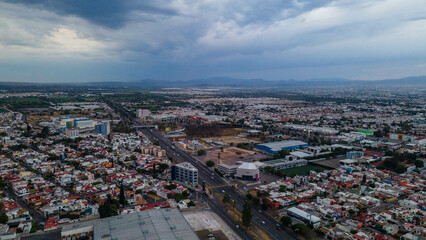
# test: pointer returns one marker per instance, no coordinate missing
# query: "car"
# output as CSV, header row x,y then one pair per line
x,y
260,210
210,235
237,226
263,222
223,191
212,177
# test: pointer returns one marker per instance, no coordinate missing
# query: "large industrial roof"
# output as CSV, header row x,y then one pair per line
x,y
161,224
277,146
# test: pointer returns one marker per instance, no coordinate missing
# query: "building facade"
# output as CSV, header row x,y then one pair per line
x,y
185,173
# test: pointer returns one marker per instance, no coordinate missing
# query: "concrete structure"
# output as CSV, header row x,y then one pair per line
x,y
274,147
248,171
304,216
103,128
350,155
83,123
150,224
279,164
185,173
72,132
142,113
347,162
227,169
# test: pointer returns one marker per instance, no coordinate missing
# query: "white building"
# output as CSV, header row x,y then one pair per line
x,y
248,171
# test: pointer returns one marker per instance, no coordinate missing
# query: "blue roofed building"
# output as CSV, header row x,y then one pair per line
x,y
274,147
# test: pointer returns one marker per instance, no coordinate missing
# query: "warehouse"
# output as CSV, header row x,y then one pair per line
x,y
304,216
150,224
274,147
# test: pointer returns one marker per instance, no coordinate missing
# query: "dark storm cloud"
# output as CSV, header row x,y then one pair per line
x,y
179,39
107,13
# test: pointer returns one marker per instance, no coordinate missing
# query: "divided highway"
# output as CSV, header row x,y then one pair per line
x,y
263,220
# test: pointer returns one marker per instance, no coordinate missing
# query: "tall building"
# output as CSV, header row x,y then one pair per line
x,y
72,132
102,128
83,123
185,173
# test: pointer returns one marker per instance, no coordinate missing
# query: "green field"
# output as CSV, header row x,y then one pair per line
x,y
302,171
2,110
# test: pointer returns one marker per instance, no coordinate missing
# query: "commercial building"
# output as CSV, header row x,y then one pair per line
x,y
72,132
103,128
150,224
185,172
350,155
279,164
347,162
227,169
304,216
248,171
83,123
274,147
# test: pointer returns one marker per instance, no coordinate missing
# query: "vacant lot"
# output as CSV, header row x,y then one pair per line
x,y
232,154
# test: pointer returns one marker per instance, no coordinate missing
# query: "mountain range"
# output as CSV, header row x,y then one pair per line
x,y
234,82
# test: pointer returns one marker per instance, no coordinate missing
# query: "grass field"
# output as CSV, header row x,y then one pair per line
x,y
302,171
2,110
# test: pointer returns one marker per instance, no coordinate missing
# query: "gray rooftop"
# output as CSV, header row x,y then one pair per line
x,y
161,224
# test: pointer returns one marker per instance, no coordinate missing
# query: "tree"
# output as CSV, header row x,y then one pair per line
x,y
226,198
286,220
210,163
264,205
122,198
4,218
185,194
301,228
419,163
246,217
201,152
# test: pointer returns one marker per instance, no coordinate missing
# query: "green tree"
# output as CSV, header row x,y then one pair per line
x,y
122,198
301,228
286,220
210,163
201,152
246,214
226,198
419,163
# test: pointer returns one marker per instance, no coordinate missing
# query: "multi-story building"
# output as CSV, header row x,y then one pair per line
x,y
102,128
185,173
72,132
83,123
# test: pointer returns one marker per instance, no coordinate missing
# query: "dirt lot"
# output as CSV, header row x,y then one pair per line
x,y
231,155
227,139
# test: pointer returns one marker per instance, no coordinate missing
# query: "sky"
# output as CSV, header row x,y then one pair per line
x,y
116,40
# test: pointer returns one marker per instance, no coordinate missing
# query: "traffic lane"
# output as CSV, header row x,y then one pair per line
x,y
228,220
259,214
205,174
258,219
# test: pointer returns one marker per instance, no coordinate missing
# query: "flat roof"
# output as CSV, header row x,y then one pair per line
x,y
300,154
282,144
161,224
304,214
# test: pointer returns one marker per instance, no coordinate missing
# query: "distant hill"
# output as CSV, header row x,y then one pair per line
x,y
234,82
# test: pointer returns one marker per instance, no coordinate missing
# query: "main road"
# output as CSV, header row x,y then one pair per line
x,y
218,184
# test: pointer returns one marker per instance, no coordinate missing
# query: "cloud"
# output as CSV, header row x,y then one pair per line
x,y
190,39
